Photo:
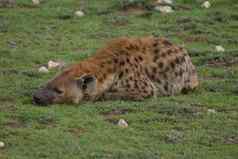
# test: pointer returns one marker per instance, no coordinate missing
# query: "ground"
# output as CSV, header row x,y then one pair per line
x,y
201,124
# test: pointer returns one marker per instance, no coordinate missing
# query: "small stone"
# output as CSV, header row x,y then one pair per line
x,y
164,2
36,2
122,123
79,13
164,9
12,44
2,145
174,136
53,64
211,111
206,4
220,48
43,69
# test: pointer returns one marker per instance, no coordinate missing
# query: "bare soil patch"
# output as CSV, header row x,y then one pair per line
x,y
77,131
112,116
13,123
225,61
134,10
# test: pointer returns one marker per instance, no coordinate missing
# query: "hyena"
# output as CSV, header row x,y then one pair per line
x,y
125,69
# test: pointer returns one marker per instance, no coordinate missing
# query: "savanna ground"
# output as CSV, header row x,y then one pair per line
x,y
179,127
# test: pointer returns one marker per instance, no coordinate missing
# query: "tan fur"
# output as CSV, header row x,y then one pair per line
x,y
132,68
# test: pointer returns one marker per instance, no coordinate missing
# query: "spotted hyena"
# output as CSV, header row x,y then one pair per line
x,y
127,69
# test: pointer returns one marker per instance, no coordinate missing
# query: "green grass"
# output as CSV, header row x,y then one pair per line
x,y
177,127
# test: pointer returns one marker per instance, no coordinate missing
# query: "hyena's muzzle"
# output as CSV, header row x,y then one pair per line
x,y
43,97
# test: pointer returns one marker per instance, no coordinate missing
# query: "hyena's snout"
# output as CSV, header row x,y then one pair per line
x,y
43,97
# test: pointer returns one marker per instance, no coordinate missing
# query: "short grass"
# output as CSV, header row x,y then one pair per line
x,y
179,127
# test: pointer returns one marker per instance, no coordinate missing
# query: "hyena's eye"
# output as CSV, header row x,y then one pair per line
x,y
58,91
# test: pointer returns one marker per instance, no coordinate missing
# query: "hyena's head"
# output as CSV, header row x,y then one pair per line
x,y
68,87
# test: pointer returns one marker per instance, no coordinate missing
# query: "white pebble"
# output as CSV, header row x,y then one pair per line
x,y
164,2
2,145
206,4
79,13
36,2
211,111
43,69
164,9
122,123
53,64
220,48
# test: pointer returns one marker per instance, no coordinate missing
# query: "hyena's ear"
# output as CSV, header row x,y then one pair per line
x,y
87,82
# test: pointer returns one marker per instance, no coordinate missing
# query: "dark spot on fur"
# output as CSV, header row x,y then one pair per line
x,y
154,70
177,60
166,69
131,78
161,64
159,81
167,43
136,65
187,81
136,85
143,87
180,49
102,65
183,59
109,70
176,74
100,79
156,51
156,58
127,71
140,58
115,60
180,72
172,65
127,60
130,47
163,55
104,75
155,44
120,75
147,71
166,87
145,92
136,59
122,63
170,52
132,90
145,84
165,76
152,77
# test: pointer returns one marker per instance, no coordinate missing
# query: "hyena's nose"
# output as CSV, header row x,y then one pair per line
x,y
39,100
